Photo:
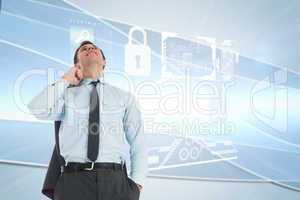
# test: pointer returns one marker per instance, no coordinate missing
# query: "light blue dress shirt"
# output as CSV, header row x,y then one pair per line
x,y
121,124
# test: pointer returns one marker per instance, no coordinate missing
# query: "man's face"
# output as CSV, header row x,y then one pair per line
x,y
89,55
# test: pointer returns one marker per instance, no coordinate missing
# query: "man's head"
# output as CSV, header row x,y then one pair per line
x,y
89,55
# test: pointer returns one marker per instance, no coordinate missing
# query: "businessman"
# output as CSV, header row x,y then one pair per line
x,y
101,125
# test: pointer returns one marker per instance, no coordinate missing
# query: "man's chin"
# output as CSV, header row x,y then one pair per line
x,y
91,65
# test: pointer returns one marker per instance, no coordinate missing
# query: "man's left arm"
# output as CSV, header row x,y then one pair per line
x,y
134,130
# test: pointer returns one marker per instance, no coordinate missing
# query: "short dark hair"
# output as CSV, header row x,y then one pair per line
x,y
82,44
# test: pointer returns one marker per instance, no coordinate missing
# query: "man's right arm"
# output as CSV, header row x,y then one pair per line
x,y
49,104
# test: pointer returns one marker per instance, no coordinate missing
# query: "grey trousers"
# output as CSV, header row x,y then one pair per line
x,y
100,184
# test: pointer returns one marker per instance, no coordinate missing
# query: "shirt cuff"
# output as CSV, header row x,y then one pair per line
x,y
138,180
61,82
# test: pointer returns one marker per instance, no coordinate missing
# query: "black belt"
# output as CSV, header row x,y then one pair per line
x,y
75,166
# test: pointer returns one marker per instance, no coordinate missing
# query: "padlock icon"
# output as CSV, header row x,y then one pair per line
x,y
137,56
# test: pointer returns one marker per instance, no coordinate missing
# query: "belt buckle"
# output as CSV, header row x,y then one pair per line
x,y
91,168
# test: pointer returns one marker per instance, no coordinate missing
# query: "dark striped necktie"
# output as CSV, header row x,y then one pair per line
x,y
94,120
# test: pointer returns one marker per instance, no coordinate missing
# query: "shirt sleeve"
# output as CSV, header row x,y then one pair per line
x,y
134,130
49,103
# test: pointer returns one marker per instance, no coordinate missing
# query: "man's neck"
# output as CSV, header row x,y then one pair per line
x,y
93,74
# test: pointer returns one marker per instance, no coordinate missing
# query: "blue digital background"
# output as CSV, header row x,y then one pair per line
x,y
36,35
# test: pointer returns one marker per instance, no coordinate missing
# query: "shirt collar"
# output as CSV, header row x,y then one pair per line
x,y
87,81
